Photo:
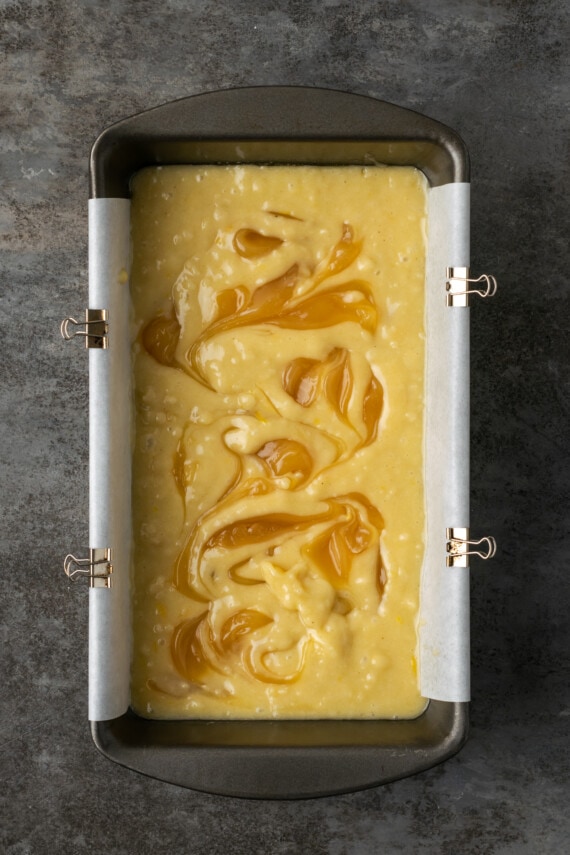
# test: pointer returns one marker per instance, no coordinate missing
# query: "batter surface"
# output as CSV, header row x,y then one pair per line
x,y
278,507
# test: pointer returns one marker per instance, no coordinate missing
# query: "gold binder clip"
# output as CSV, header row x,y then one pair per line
x,y
459,547
457,284
96,330
96,569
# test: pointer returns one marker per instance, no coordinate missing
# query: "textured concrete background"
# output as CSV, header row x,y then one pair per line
x,y
498,73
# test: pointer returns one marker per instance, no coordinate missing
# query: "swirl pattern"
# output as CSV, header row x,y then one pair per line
x,y
330,540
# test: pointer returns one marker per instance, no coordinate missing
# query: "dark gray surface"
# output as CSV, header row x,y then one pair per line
x,y
497,72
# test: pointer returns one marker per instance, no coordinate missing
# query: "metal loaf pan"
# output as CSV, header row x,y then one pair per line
x,y
260,759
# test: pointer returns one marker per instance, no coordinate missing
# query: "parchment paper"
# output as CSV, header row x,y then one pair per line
x,y
444,612
109,458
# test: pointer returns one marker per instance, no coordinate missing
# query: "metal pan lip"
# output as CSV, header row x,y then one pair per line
x,y
206,756
284,117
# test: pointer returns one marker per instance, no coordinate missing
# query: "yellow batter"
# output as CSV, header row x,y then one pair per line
x,y
277,472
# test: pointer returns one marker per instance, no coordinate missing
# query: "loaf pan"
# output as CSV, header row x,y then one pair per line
x,y
279,758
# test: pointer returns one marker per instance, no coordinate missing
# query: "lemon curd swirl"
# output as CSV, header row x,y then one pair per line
x,y
278,510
